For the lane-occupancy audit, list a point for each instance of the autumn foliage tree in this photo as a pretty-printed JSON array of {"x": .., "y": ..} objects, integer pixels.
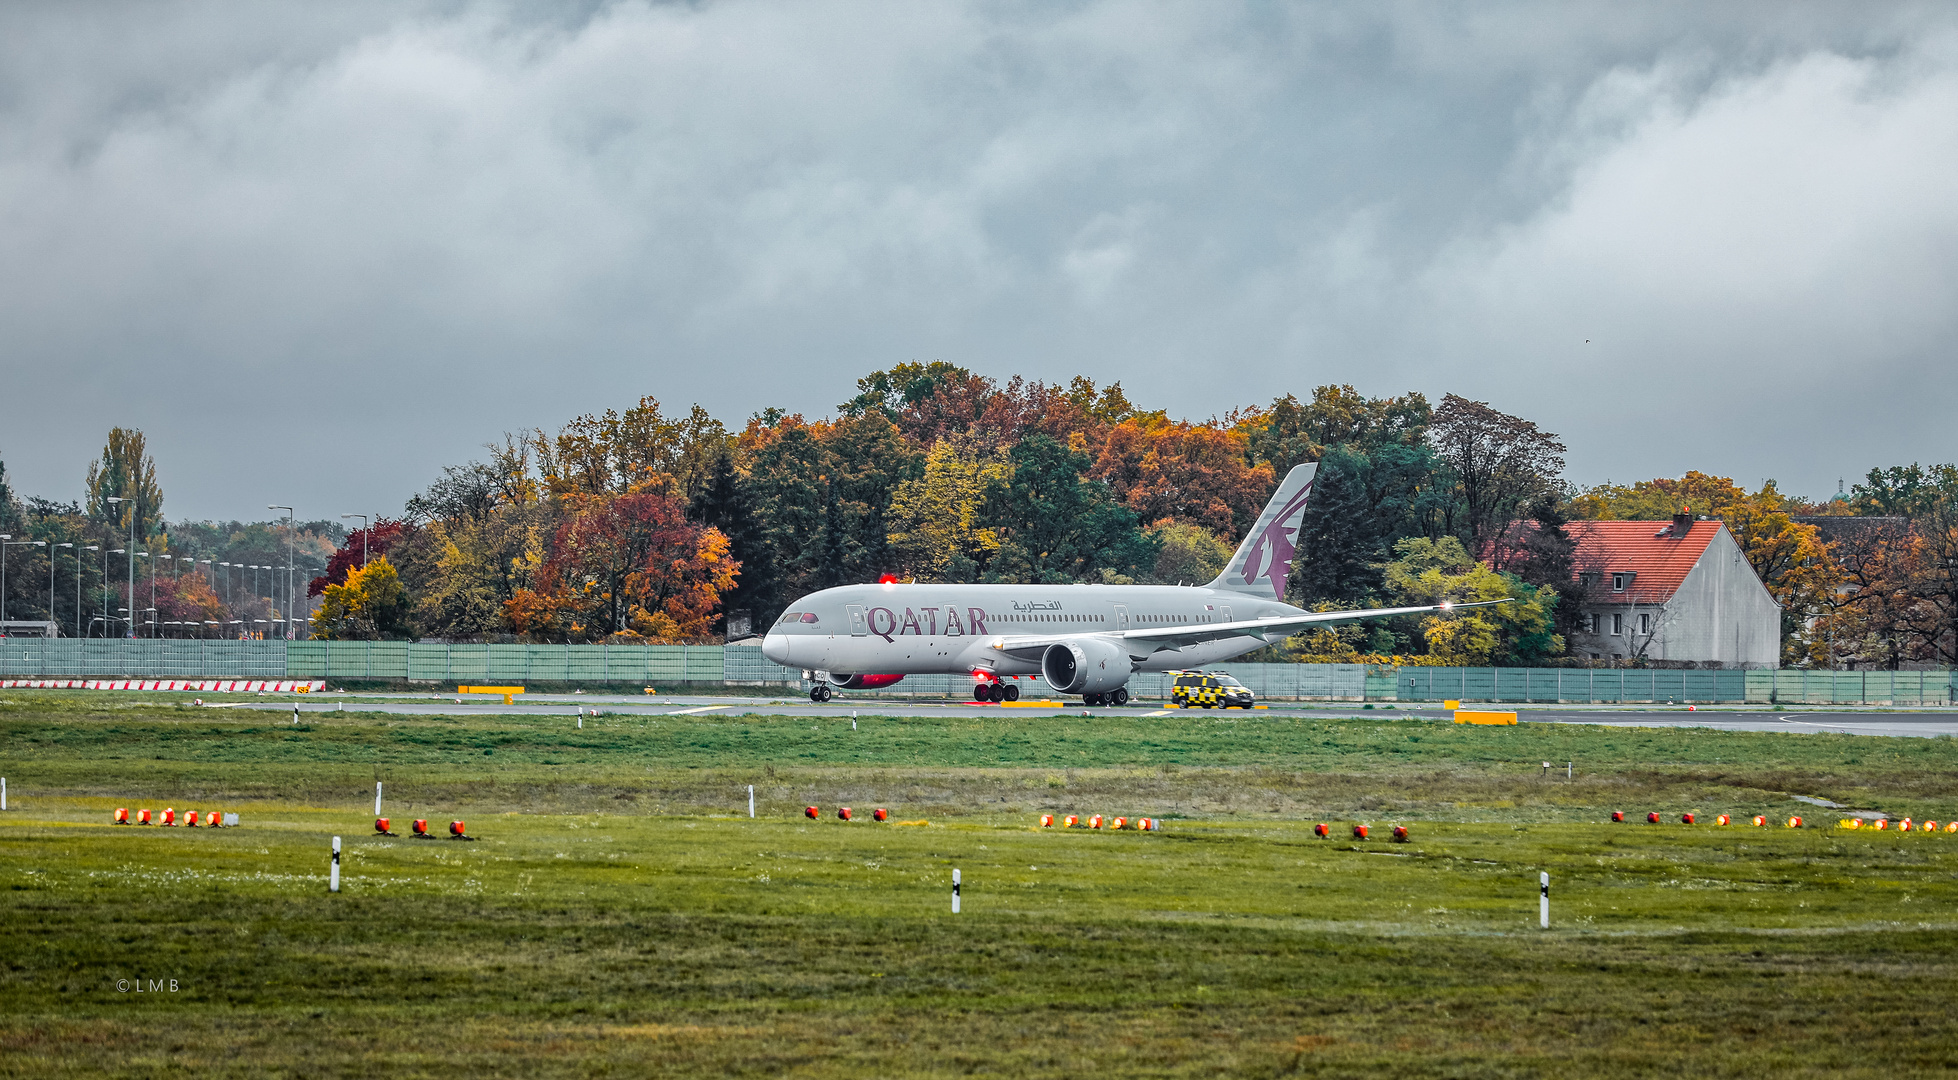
[{"x": 627, "y": 567}]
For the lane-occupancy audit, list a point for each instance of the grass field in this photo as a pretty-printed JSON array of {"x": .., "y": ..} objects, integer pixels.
[{"x": 620, "y": 915}]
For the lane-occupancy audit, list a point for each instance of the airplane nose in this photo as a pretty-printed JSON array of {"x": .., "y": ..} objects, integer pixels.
[{"x": 776, "y": 648}]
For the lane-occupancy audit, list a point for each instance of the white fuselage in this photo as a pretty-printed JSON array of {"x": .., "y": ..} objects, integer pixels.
[{"x": 914, "y": 629}]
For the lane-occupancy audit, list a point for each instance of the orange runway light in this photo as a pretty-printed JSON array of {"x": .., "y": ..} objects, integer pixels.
[
  {"x": 1359, "y": 832},
  {"x": 1617, "y": 815},
  {"x": 1094, "y": 822},
  {"x": 142, "y": 817},
  {"x": 1759, "y": 820},
  {"x": 213, "y": 819},
  {"x": 1120, "y": 823},
  {"x": 882, "y": 814},
  {"x": 1046, "y": 821},
  {"x": 811, "y": 813},
  {"x": 455, "y": 828},
  {"x": 1400, "y": 834},
  {"x": 122, "y": 816},
  {"x": 1794, "y": 823},
  {"x": 843, "y": 813},
  {"x": 1322, "y": 830},
  {"x": 1685, "y": 819},
  {"x": 1071, "y": 822},
  {"x": 1652, "y": 818},
  {"x": 1722, "y": 820}
]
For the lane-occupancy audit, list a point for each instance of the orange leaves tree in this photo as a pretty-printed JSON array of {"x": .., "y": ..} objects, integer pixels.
[
  {"x": 626, "y": 567},
  {"x": 1198, "y": 473}
]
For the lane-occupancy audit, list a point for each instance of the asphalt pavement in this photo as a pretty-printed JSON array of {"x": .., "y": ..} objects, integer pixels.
[{"x": 1927, "y": 722}]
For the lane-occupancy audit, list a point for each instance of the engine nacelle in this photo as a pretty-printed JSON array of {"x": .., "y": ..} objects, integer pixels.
[
  {"x": 866, "y": 682},
  {"x": 1087, "y": 666}
]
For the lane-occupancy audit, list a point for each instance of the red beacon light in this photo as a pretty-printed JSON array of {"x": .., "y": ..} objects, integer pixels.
[{"x": 887, "y": 579}]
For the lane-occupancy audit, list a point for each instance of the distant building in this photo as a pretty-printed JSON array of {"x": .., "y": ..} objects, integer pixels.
[{"x": 1678, "y": 590}]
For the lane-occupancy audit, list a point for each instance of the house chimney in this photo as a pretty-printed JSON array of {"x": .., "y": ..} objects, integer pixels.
[{"x": 1682, "y": 522}]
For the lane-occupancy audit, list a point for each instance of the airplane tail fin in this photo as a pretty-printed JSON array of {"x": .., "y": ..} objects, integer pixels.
[{"x": 1264, "y": 561}]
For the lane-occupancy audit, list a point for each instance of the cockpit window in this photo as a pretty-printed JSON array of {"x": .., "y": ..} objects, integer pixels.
[{"x": 809, "y": 616}]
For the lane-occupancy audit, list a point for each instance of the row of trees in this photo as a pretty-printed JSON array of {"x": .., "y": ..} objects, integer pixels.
[
  {"x": 72, "y": 562},
  {"x": 639, "y": 526},
  {"x": 643, "y": 526}
]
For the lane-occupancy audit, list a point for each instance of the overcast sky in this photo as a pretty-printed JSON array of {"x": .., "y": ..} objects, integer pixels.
[{"x": 316, "y": 251}]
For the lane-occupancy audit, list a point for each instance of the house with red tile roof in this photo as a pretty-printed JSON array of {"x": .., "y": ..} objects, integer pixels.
[{"x": 1677, "y": 590}]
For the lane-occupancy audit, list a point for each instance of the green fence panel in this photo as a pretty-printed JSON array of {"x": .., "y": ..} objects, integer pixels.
[
  {"x": 428, "y": 662},
  {"x": 388, "y": 659},
  {"x": 306, "y": 659}
]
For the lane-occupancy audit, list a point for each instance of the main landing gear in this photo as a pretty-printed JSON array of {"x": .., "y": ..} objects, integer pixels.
[
  {"x": 1117, "y": 697},
  {"x": 995, "y": 692}
]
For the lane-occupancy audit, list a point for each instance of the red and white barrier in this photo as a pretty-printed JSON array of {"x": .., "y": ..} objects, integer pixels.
[{"x": 209, "y": 686}]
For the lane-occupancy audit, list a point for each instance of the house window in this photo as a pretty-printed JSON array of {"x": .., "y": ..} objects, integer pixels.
[
  {"x": 1645, "y": 624},
  {"x": 1618, "y": 624},
  {"x": 1619, "y": 581}
]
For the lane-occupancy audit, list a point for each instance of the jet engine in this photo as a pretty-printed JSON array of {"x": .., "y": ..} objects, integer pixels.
[
  {"x": 865, "y": 682},
  {"x": 1087, "y": 666}
]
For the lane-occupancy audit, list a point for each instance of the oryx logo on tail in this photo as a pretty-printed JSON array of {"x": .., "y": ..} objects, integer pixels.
[{"x": 1264, "y": 561}]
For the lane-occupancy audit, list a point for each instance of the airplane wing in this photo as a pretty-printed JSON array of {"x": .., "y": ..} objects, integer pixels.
[
  {"x": 1175, "y": 637},
  {"x": 1155, "y": 639}
]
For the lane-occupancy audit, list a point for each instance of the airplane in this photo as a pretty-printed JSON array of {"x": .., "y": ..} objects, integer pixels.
[{"x": 1084, "y": 640}]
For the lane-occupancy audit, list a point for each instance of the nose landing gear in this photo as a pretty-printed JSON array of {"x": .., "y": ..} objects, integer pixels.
[{"x": 819, "y": 693}]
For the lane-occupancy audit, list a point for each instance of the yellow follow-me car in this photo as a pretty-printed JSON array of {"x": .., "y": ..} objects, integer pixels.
[{"x": 1209, "y": 690}]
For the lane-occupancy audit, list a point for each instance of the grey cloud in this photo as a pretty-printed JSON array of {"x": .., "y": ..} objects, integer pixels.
[{"x": 318, "y": 251}]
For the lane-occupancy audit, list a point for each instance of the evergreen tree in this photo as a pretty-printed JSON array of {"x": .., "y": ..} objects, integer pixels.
[
  {"x": 1056, "y": 527},
  {"x": 726, "y": 503}
]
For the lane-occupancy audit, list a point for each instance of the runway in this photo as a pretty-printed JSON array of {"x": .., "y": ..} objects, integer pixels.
[{"x": 1928, "y": 722}]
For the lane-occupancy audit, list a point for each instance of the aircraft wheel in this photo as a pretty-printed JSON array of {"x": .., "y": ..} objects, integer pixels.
[
  {"x": 982, "y": 692},
  {"x": 1091, "y": 700},
  {"x": 821, "y": 693},
  {"x": 1012, "y": 693},
  {"x": 1121, "y": 697}
]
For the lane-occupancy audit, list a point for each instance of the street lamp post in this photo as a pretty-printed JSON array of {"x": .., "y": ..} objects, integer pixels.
[
  {"x": 133, "y": 556},
  {"x": 130, "y": 551},
  {"x": 78, "y": 585},
  {"x": 289, "y": 558},
  {"x": 366, "y": 530}
]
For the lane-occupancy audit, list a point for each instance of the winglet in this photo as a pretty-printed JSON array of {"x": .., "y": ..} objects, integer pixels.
[{"x": 1264, "y": 561}]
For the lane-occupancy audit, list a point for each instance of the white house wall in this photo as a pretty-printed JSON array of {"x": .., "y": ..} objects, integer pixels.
[{"x": 1721, "y": 612}]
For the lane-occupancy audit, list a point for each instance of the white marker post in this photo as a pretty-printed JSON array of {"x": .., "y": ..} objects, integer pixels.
[
  {"x": 955, "y": 892},
  {"x": 1543, "y": 900},
  {"x": 333, "y": 882},
  {"x": 3, "y": 793},
  {"x": 377, "y": 798},
  {"x": 751, "y": 800},
  {"x": 581, "y": 717},
  {"x": 1569, "y": 769},
  {"x": 295, "y": 714}
]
